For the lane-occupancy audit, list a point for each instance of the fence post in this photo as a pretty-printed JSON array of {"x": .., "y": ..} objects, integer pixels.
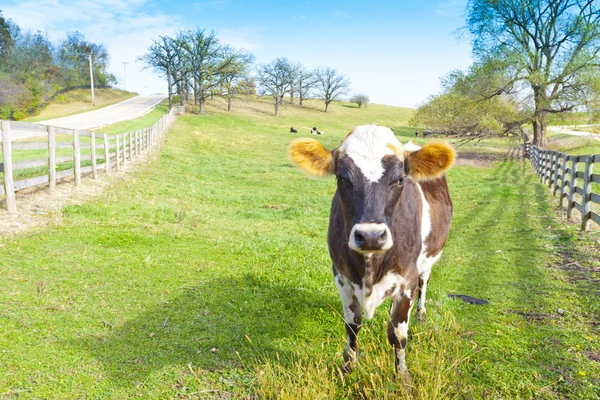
[
  {"x": 51, "y": 159},
  {"x": 541, "y": 172},
  {"x": 130, "y": 146},
  {"x": 9, "y": 187},
  {"x": 587, "y": 195},
  {"x": 77, "y": 158},
  {"x": 117, "y": 151},
  {"x": 557, "y": 167},
  {"x": 571, "y": 199},
  {"x": 563, "y": 182},
  {"x": 93, "y": 148},
  {"x": 107, "y": 165}
]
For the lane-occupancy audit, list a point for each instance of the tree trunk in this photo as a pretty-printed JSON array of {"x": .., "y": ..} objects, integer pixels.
[
  {"x": 276, "y": 106},
  {"x": 300, "y": 102},
  {"x": 201, "y": 101},
  {"x": 291, "y": 95},
  {"x": 229, "y": 103},
  {"x": 326, "y": 106},
  {"x": 539, "y": 118},
  {"x": 170, "y": 85}
]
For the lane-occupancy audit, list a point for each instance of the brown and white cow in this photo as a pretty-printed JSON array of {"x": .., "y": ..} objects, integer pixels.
[{"x": 389, "y": 221}]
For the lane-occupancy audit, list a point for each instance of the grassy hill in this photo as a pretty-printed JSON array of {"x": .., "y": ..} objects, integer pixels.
[
  {"x": 205, "y": 274},
  {"x": 78, "y": 101}
]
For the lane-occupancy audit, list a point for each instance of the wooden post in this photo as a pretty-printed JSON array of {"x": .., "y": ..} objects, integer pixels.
[
  {"x": 93, "y": 148},
  {"x": 77, "y": 158},
  {"x": 117, "y": 152},
  {"x": 571, "y": 198},
  {"x": 541, "y": 172},
  {"x": 563, "y": 183},
  {"x": 557, "y": 167},
  {"x": 587, "y": 194},
  {"x": 138, "y": 143},
  {"x": 107, "y": 165},
  {"x": 130, "y": 146},
  {"x": 51, "y": 159},
  {"x": 9, "y": 188}
]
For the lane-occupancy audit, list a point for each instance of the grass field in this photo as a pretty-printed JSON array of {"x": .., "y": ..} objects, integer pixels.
[
  {"x": 205, "y": 274},
  {"x": 78, "y": 101}
]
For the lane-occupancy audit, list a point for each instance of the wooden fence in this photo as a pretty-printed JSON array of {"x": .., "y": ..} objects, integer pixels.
[
  {"x": 563, "y": 174},
  {"x": 66, "y": 153}
]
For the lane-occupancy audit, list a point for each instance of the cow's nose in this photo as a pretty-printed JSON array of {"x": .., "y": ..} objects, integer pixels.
[{"x": 371, "y": 239}]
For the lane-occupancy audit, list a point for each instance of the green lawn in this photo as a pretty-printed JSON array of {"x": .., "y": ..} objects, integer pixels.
[{"x": 205, "y": 274}]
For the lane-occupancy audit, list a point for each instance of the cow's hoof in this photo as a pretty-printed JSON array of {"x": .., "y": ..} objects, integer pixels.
[
  {"x": 421, "y": 315},
  {"x": 404, "y": 379},
  {"x": 349, "y": 362}
]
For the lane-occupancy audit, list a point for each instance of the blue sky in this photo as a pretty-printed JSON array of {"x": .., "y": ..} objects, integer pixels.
[{"x": 393, "y": 51}]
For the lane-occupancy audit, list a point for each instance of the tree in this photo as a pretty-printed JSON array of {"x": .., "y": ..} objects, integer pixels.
[
  {"x": 465, "y": 109},
  {"x": 306, "y": 82},
  {"x": 6, "y": 40},
  {"x": 360, "y": 99},
  {"x": 233, "y": 74},
  {"x": 73, "y": 61},
  {"x": 206, "y": 59},
  {"x": 274, "y": 79},
  {"x": 330, "y": 85},
  {"x": 550, "y": 46},
  {"x": 164, "y": 56}
]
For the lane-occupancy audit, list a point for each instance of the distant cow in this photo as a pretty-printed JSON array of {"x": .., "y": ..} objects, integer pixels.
[
  {"x": 315, "y": 131},
  {"x": 389, "y": 221},
  {"x": 417, "y": 133},
  {"x": 292, "y": 130}
]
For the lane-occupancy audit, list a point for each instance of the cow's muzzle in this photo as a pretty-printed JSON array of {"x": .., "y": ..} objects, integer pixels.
[{"x": 368, "y": 238}]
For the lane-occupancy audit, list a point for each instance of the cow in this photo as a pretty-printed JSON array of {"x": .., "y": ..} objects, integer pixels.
[
  {"x": 390, "y": 217},
  {"x": 292, "y": 130},
  {"x": 315, "y": 131}
]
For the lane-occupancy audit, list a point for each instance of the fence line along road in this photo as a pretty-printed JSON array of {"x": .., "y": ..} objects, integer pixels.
[
  {"x": 66, "y": 150},
  {"x": 554, "y": 167}
]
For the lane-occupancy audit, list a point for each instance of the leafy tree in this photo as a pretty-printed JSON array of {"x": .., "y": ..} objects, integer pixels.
[
  {"x": 6, "y": 40},
  {"x": 360, "y": 99},
  {"x": 330, "y": 85},
  {"x": 550, "y": 46},
  {"x": 274, "y": 79},
  {"x": 73, "y": 61}
]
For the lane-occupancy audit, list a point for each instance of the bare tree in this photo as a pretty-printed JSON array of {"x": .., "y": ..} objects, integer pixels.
[
  {"x": 360, "y": 99},
  {"x": 330, "y": 85},
  {"x": 274, "y": 79},
  {"x": 551, "y": 46},
  {"x": 231, "y": 75},
  {"x": 306, "y": 82}
]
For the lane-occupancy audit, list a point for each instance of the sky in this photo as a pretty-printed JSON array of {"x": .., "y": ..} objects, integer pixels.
[{"x": 395, "y": 51}]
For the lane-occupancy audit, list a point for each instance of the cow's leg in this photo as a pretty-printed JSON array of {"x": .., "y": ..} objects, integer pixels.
[
  {"x": 425, "y": 266},
  {"x": 398, "y": 327},
  {"x": 352, "y": 319}
]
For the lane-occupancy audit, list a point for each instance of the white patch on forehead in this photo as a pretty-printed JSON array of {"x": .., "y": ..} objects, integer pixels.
[{"x": 366, "y": 146}]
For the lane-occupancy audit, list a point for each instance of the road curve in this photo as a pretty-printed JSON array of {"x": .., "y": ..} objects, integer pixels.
[{"x": 122, "y": 111}]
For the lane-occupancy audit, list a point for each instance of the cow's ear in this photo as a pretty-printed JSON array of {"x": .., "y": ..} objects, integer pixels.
[
  {"x": 429, "y": 162},
  {"x": 311, "y": 157}
]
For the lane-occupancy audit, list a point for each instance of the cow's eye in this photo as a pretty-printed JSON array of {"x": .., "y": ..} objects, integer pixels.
[
  {"x": 398, "y": 181},
  {"x": 343, "y": 181}
]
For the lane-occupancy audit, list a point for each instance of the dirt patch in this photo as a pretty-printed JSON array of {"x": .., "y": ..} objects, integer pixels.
[
  {"x": 592, "y": 355},
  {"x": 37, "y": 208},
  {"x": 475, "y": 159},
  {"x": 533, "y": 316}
]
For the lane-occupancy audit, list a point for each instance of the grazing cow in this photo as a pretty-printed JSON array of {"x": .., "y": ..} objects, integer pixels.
[
  {"x": 417, "y": 133},
  {"x": 389, "y": 221},
  {"x": 292, "y": 130},
  {"x": 315, "y": 131}
]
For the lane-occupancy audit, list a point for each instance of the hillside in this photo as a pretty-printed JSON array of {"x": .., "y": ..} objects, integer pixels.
[{"x": 205, "y": 274}]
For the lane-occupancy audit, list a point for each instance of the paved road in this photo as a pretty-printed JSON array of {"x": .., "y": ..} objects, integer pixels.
[
  {"x": 569, "y": 131},
  {"x": 122, "y": 111}
]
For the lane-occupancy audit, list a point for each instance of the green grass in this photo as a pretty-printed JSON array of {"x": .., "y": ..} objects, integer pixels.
[{"x": 205, "y": 274}]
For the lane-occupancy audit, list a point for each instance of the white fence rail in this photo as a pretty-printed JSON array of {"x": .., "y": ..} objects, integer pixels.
[{"x": 41, "y": 154}]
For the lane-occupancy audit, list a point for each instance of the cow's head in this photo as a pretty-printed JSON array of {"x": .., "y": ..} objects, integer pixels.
[{"x": 371, "y": 166}]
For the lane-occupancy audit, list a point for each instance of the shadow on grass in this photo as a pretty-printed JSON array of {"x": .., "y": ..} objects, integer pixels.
[{"x": 208, "y": 325}]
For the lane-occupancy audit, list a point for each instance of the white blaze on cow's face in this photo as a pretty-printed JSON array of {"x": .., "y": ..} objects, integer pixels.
[{"x": 364, "y": 182}]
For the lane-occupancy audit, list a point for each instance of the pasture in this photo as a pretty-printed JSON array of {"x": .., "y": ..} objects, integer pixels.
[{"x": 205, "y": 274}]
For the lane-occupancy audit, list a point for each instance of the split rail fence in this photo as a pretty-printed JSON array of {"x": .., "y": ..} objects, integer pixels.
[
  {"x": 49, "y": 154},
  {"x": 572, "y": 177}
]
